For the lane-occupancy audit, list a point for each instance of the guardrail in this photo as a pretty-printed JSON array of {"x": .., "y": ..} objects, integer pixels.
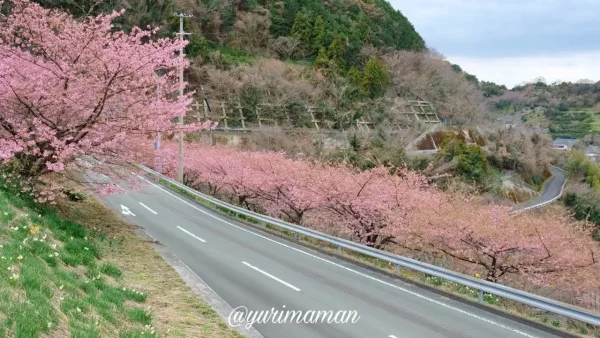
[
  {"x": 482, "y": 286},
  {"x": 514, "y": 212}
]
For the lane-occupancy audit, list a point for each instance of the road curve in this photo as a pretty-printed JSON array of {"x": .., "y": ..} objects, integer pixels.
[
  {"x": 552, "y": 189},
  {"x": 249, "y": 268}
]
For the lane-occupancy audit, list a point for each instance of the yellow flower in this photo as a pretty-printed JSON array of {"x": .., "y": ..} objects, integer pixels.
[
  {"x": 477, "y": 275},
  {"x": 35, "y": 229}
]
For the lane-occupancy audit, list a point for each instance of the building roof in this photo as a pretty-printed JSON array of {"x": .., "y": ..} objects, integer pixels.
[{"x": 566, "y": 141}]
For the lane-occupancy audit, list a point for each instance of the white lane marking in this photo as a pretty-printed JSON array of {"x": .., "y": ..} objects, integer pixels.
[
  {"x": 348, "y": 269},
  {"x": 392, "y": 336},
  {"x": 145, "y": 206},
  {"x": 125, "y": 210},
  {"x": 273, "y": 277},
  {"x": 191, "y": 234}
]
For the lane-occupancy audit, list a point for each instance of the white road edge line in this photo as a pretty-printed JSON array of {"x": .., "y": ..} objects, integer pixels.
[
  {"x": 191, "y": 234},
  {"x": 273, "y": 277},
  {"x": 145, "y": 206},
  {"x": 392, "y": 336},
  {"x": 346, "y": 268}
]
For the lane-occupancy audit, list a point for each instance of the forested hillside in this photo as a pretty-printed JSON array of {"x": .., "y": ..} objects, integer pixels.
[
  {"x": 315, "y": 24},
  {"x": 350, "y": 58}
]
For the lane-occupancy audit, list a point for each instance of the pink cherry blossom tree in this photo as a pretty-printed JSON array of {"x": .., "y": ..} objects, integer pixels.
[
  {"x": 257, "y": 180},
  {"x": 70, "y": 88},
  {"x": 543, "y": 248},
  {"x": 287, "y": 188},
  {"x": 373, "y": 206},
  {"x": 384, "y": 209}
]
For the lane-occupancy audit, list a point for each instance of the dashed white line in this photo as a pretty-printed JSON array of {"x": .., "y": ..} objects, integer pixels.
[
  {"x": 392, "y": 336},
  {"x": 273, "y": 277},
  {"x": 145, "y": 206},
  {"x": 346, "y": 268},
  {"x": 191, "y": 234}
]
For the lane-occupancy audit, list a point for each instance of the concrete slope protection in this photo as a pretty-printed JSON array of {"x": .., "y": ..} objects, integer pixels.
[
  {"x": 552, "y": 189},
  {"x": 261, "y": 272}
]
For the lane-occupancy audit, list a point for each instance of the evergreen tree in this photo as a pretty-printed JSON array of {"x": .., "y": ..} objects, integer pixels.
[
  {"x": 354, "y": 76},
  {"x": 302, "y": 29},
  {"x": 319, "y": 36},
  {"x": 282, "y": 21},
  {"x": 375, "y": 78},
  {"x": 361, "y": 30},
  {"x": 337, "y": 53},
  {"x": 322, "y": 60}
]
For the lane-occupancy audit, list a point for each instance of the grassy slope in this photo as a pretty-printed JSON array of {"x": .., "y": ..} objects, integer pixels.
[{"x": 62, "y": 278}]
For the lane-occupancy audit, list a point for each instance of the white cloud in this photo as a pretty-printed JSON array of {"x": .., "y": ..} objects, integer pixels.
[
  {"x": 512, "y": 71},
  {"x": 504, "y": 28},
  {"x": 512, "y": 41}
]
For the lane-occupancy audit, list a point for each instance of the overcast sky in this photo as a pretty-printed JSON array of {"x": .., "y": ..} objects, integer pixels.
[{"x": 512, "y": 41}]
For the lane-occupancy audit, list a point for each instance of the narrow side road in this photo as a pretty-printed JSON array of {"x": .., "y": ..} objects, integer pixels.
[{"x": 552, "y": 189}]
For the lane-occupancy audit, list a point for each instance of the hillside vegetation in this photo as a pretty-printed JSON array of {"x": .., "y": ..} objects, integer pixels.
[
  {"x": 566, "y": 109},
  {"x": 349, "y": 58}
]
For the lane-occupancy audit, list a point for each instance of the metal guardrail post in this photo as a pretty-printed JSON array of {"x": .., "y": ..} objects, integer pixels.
[
  {"x": 339, "y": 250},
  {"x": 397, "y": 269},
  {"x": 295, "y": 236},
  {"x": 480, "y": 296}
]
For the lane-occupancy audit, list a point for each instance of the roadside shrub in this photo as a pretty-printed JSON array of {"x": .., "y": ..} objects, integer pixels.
[
  {"x": 584, "y": 210},
  {"x": 472, "y": 164}
]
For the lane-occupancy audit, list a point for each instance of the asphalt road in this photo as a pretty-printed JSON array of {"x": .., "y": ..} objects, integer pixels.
[
  {"x": 249, "y": 268},
  {"x": 552, "y": 188}
]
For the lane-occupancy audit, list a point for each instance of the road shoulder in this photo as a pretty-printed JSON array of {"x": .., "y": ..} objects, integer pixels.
[{"x": 181, "y": 303}]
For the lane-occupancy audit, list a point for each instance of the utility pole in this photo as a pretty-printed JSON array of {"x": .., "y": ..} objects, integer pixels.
[
  {"x": 157, "y": 142},
  {"x": 181, "y": 34}
]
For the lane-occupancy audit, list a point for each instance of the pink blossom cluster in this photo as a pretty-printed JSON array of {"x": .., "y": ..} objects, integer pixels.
[
  {"x": 372, "y": 206},
  {"x": 70, "y": 88}
]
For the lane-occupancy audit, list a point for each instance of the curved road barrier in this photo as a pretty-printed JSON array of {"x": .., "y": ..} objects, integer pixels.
[
  {"x": 553, "y": 190},
  {"x": 482, "y": 286}
]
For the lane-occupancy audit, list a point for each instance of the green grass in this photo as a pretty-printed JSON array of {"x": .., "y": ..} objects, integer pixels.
[
  {"x": 233, "y": 56},
  {"x": 111, "y": 270},
  {"x": 51, "y": 268},
  {"x": 140, "y": 316}
]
